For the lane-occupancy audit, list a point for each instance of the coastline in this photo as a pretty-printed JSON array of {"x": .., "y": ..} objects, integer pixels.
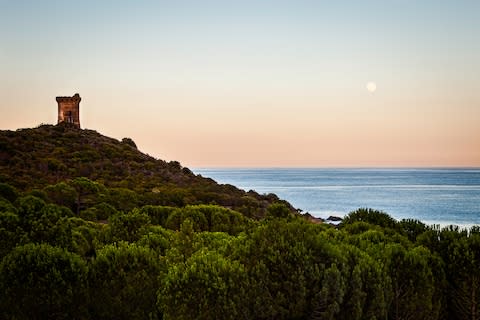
[{"x": 435, "y": 196}]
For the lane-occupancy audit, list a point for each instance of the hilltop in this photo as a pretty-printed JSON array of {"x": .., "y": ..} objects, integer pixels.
[{"x": 32, "y": 160}]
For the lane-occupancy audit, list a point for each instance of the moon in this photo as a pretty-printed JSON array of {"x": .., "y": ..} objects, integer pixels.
[{"x": 371, "y": 86}]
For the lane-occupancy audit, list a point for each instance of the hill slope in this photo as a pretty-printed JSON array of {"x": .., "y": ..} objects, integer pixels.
[{"x": 47, "y": 155}]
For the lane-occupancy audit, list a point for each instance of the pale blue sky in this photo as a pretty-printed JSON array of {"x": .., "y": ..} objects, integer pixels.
[{"x": 208, "y": 83}]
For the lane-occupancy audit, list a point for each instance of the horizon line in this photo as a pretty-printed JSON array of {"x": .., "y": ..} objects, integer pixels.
[{"x": 338, "y": 167}]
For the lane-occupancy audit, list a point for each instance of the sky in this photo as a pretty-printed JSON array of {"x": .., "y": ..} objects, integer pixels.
[{"x": 254, "y": 83}]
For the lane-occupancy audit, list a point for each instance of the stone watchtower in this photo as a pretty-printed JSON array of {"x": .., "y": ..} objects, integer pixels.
[{"x": 69, "y": 110}]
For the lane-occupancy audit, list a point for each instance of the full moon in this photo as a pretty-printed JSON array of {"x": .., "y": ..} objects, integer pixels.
[{"x": 371, "y": 86}]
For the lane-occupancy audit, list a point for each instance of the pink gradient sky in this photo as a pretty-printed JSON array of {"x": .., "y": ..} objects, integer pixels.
[{"x": 277, "y": 84}]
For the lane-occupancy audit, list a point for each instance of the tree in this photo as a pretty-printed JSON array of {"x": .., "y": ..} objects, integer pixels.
[
  {"x": 328, "y": 301},
  {"x": 463, "y": 262},
  {"x": 38, "y": 281},
  {"x": 29, "y": 209},
  {"x": 206, "y": 286},
  {"x": 10, "y": 232},
  {"x": 128, "y": 227},
  {"x": 285, "y": 266},
  {"x": 130, "y": 142},
  {"x": 413, "y": 285},
  {"x": 122, "y": 199},
  {"x": 197, "y": 217},
  {"x": 278, "y": 210},
  {"x": 208, "y": 218},
  {"x": 365, "y": 287},
  {"x": 158, "y": 214},
  {"x": 52, "y": 227},
  {"x": 84, "y": 187},
  {"x": 413, "y": 228},
  {"x": 157, "y": 238},
  {"x": 183, "y": 243},
  {"x": 62, "y": 194},
  {"x": 124, "y": 279},
  {"x": 8, "y": 192},
  {"x": 101, "y": 211},
  {"x": 371, "y": 216}
]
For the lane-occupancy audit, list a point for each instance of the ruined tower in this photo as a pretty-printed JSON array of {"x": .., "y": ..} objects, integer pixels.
[{"x": 69, "y": 110}]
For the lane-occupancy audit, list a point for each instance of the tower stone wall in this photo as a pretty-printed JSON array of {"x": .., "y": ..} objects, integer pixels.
[{"x": 69, "y": 109}]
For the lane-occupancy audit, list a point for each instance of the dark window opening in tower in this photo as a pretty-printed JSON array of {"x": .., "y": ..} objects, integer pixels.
[{"x": 69, "y": 117}]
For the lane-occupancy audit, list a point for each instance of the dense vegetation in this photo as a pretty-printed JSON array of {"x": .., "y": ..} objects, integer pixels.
[
  {"x": 49, "y": 156},
  {"x": 99, "y": 246}
]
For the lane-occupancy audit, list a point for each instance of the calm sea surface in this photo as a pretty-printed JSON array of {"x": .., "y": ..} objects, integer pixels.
[{"x": 434, "y": 196}]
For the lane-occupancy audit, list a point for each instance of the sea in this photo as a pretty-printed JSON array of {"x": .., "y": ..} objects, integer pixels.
[{"x": 435, "y": 196}]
